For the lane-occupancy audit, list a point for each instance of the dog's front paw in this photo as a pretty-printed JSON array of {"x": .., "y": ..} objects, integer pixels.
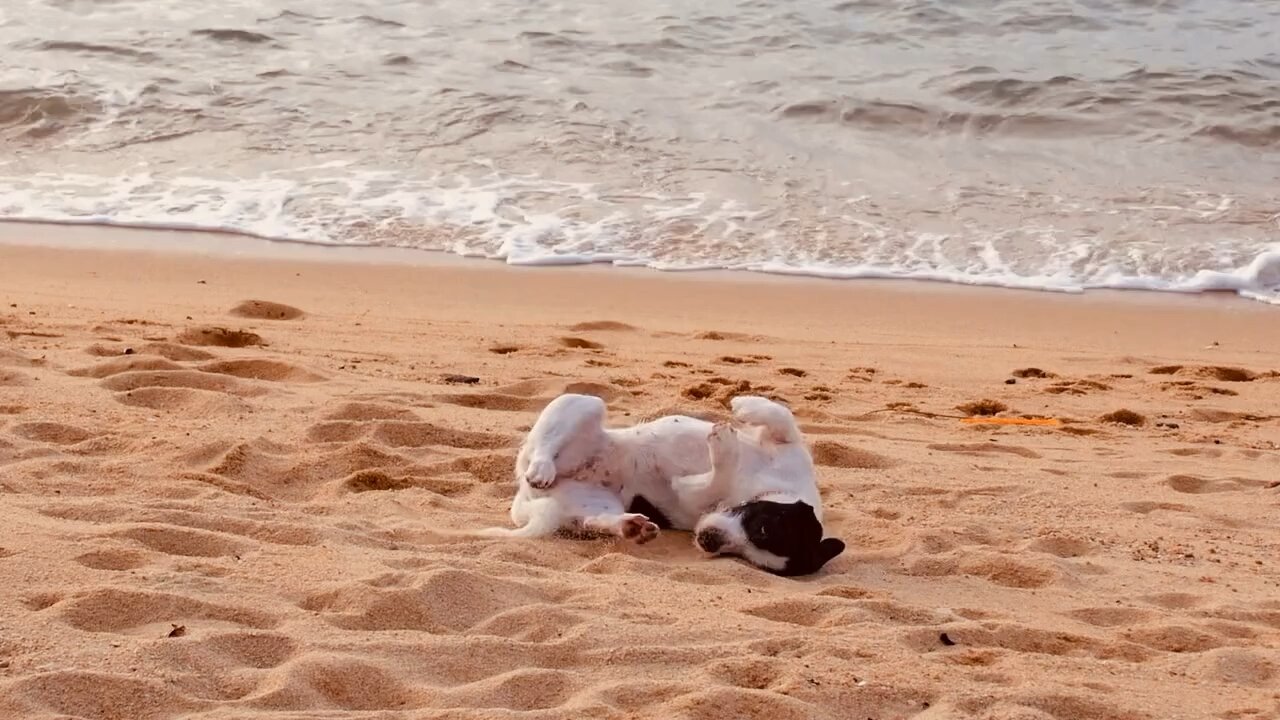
[
  {"x": 540, "y": 474},
  {"x": 639, "y": 529},
  {"x": 723, "y": 443}
]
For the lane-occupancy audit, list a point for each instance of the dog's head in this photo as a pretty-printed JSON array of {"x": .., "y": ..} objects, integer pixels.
[{"x": 784, "y": 538}]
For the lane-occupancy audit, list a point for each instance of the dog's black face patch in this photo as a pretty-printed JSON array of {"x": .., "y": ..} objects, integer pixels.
[
  {"x": 640, "y": 504},
  {"x": 790, "y": 531}
]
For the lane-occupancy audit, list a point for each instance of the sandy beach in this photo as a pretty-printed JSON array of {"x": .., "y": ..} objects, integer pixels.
[{"x": 235, "y": 484}]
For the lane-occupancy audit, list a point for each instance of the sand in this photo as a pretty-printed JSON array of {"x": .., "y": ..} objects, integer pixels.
[{"x": 236, "y": 487}]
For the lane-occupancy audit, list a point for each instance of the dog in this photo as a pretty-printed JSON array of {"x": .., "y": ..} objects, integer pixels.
[{"x": 748, "y": 491}]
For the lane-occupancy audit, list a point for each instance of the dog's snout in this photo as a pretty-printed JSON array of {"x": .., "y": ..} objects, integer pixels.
[{"x": 710, "y": 540}]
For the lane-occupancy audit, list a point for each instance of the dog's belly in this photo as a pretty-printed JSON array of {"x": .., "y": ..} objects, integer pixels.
[{"x": 640, "y": 462}]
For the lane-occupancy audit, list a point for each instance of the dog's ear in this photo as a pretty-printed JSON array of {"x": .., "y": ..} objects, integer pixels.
[
  {"x": 828, "y": 549},
  {"x": 810, "y": 563}
]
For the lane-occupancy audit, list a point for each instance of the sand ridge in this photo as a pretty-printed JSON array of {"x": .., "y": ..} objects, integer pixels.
[{"x": 202, "y": 527}]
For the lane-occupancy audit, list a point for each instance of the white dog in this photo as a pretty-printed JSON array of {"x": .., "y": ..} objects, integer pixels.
[{"x": 749, "y": 491}]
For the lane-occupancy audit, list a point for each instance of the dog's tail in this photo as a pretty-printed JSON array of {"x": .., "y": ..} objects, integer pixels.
[
  {"x": 540, "y": 525},
  {"x": 775, "y": 418}
]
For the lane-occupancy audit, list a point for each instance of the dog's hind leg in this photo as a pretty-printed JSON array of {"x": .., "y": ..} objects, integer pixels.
[
  {"x": 534, "y": 516},
  {"x": 597, "y": 510},
  {"x": 629, "y": 526},
  {"x": 568, "y": 433},
  {"x": 776, "y": 421}
]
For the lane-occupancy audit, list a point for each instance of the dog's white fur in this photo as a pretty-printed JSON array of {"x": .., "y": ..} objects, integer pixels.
[{"x": 575, "y": 474}]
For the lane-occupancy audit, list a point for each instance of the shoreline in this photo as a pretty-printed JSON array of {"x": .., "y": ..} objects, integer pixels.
[
  {"x": 883, "y": 309},
  {"x": 234, "y": 243}
]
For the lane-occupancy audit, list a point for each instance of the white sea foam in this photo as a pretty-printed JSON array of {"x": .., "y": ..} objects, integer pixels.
[{"x": 525, "y": 220}]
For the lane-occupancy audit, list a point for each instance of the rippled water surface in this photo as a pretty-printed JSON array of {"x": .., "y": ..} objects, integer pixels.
[{"x": 1033, "y": 143}]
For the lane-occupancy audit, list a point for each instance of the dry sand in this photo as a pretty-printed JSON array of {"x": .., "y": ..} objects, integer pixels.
[{"x": 221, "y": 513}]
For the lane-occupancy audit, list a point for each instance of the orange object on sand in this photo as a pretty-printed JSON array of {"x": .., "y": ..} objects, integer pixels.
[{"x": 1010, "y": 421}]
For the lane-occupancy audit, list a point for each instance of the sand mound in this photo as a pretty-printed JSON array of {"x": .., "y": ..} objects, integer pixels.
[{"x": 266, "y": 310}]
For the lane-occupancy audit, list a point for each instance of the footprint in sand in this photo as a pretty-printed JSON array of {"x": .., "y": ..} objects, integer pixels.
[
  {"x": 549, "y": 389},
  {"x": 984, "y": 449},
  {"x": 167, "y": 350},
  {"x": 190, "y": 379},
  {"x": 78, "y": 693},
  {"x": 717, "y": 335},
  {"x": 262, "y": 369},
  {"x": 1207, "y": 452},
  {"x": 266, "y": 310},
  {"x": 1063, "y": 546},
  {"x": 982, "y": 408},
  {"x": 828, "y": 453},
  {"x": 754, "y": 673},
  {"x": 1196, "y": 485},
  {"x": 115, "y": 610},
  {"x": 1217, "y": 372},
  {"x": 1191, "y": 390},
  {"x": 213, "y": 336},
  {"x": 333, "y": 680},
  {"x": 494, "y": 401},
  {"x": 402, "y": 434},
  {"x": 1233, "y": 666},
  {"x": 813, "y": 611},
  {"x": 124, "y": 364},
  {"x": 579, "y": 343},
  {"x": 184, "y": 542},
  {"x": 999, "y": 569},
  {"x": 185, "y": 400},
  {"x": 113, "y": 559},
  {"x": 13, "y": 378},
  {"x": 1076, "y": 387},
  {"x": 1146, "y": 507},
  {"x": 1174, "y": 638},
  {"x": 1111, "y": 616},
  {"x": 603, "y": 326},
  {"x": 365, "y": 411},
  {"x": 381, "y": 481},
  {"x": 431, "y": 605},
  {"x": 263, "y": 469},
  {"x": 1033, "y": 373},
  {"x": 52, "y": 433}
]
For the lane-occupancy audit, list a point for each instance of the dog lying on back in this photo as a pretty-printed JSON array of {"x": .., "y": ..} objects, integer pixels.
[{"x": 748, "y": 491}]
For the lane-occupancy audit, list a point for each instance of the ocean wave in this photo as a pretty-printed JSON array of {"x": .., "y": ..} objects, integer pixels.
[
  {"x": 475, "y": 218},
  {"x": 41, "y": 112}
]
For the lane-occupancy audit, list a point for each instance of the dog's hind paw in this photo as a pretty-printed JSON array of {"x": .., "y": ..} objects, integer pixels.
[
  {"x": 540, "y": 474},
  {"x": 639, "y": 529}
]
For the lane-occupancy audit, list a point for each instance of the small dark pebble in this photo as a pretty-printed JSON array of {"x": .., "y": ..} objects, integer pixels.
[
  {"x": 178, "y": 631},
  {"x": 1010, "y": 381},
  {"x": 1217, "y": 442},
  {"x": 946, "y": 639},
  {"x": 461, "y": 379},
  {"x": 201, "y": 282},
  {"x": 128, "y": 351},
  {"x": 4, "y": 664}
]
